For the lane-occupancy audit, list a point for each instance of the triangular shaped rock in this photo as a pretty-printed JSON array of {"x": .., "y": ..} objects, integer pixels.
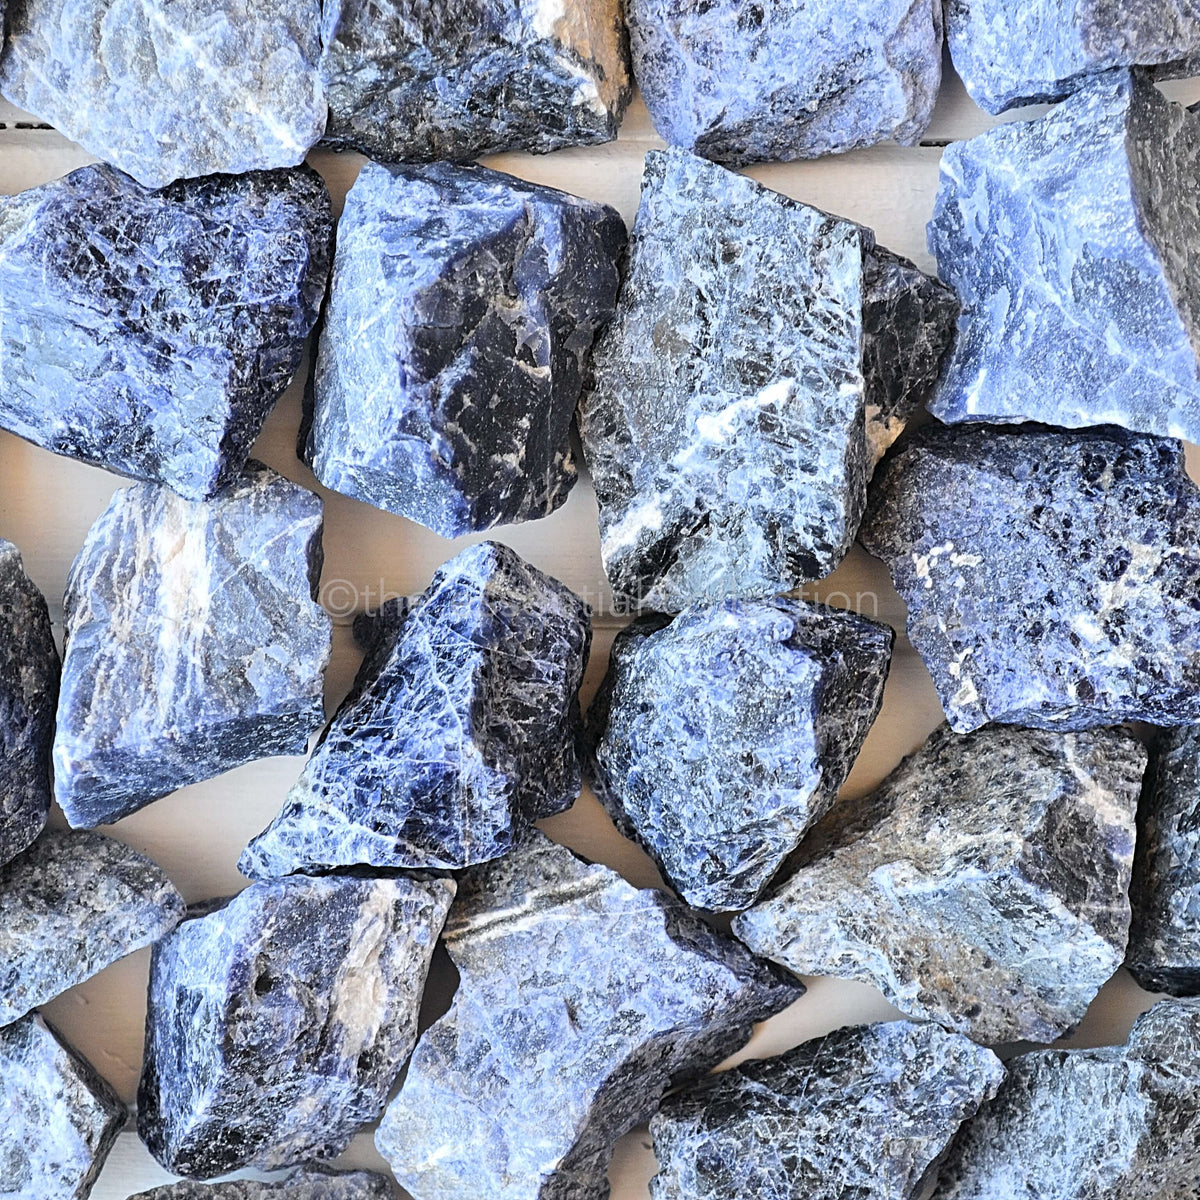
[{"x": 311, "y": 1183}]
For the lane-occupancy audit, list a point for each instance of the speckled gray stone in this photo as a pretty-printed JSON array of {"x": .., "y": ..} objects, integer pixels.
[
  {"x": 311, "y": 1183},
  {"x": 581, "y": 1001},
  {"x": 278, "y": 1022},
  {"x": 984, "y": 885},
  {"x": 720, "y": 738}
]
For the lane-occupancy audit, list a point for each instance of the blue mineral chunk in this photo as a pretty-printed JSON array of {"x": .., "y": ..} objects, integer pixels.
[{"x": 309, "y": 1183}]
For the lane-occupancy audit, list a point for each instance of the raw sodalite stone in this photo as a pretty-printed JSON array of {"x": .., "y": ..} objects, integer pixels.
[
  {"x": 984, "y": 885},
  {"x": 863, "y": 1112},
  {"x": 194, "y": 642},
  {"x": 581, "y": 1001},
  {"x": 1073, "y": 242},
  {"x": 312, "y": 1183},
  {"x": 460, "y": 729},
  {"x": 720, "y": 737},
  {"x": 71, "y": 905},
  {"x": 1051, "y": 578},
  {"x": 278, "y": 1022},
  {"x": 741, "y": 83},
  {"x": 171, "y": 91},
  {"x": 458, "y": 330},
  {"x": 152, "y": 332}
]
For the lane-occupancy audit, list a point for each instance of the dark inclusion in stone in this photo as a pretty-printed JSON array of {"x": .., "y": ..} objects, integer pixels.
[
  {"x": 763, "y": 355},
  {"x": 1051, "y": 578},
  {"x": 459, "y": 731},
  {"x": 194, "y": 642},
  {"x": 151, "y": 332},
  {"x": 720, "y": 737},
  {"x": 866, "y": 1111},
  {"x": 581, "y": 1001},
  {"x": 454, "y": 345},
  {"x": 311, "y": 1183},
  {"x": 278, "y": 1022}
]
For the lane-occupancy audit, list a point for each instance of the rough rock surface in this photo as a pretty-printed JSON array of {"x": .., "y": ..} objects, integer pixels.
[
  {"x": 171, "y": 91},
  {"x": 1073, "y": 242},
  {"x": 984, "y": 885},
  {"x": 60, "y": 1118},
  {"x": 742, "y": 83},
  {"x": 719, "y": 738},
  {"x": 311, "y": 1183},
  {"x": 1050, "y": 577},
  {"x": 278, "y": 1022},
  {"x": 152, "y": 332},
  {"x": 454, "y": 344},
  {"x": 863, "y": 1112},
  {"x": 71, "y": 905},
  {"x": 194, "y": 642},
  {"x": 581, "y": 1001},
  {"x": 459, "y": 731}
]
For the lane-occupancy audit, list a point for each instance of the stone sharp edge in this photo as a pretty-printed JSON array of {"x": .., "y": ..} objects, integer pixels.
[
  {"x": 171, "y": 92},
  {"x": 1074, "y": 244},
  {"x": 455, "y": 342},
  {"x": 726, "y": 425},
  {"x": 71, "y": 905},
  {"x": 718, "y": 739},
  {"x": 1082, "y": 1124},
  {"x": 194, "y": 642},
  {"x": 151, "y": 332},
  {"x": 984, "y": 885},
  {"x": 864, "y": 1111},
  {"x": 1050, "y": 576},
  {"x": 460, "y": 729},
  {"x": 581, "y": 1001},
  {"x": 60, "y": 1118},
  {"x": 278, "y": 1023},
  {"x": 311, "y": 1183},
  {"x": 458, "y": 81}
]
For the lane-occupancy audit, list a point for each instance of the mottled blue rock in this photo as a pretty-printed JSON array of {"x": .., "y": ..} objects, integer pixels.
[
  {"x": 310, "y": 1183},
  {"x": 279, "y": 1021},
  {"x": 171, "y": 91},
  {"x": 866, "y": 1111},
  {"x": 719, "y": 738},
  {"x": 581, "y": 1001},
  {"x": 194, "y": 642},
  {"x": 1051, "y": 578},
  {"x": 454, "y": 344},
  {"x": 742, "y": 82},
  {"x": 459, "y": 731},
  {"x": 152, "y": 332}
]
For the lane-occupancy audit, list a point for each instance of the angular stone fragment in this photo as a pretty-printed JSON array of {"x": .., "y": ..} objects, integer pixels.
[
  {"x": 278, "y": 1022},
  {"x": 727, "y": 427},
  {"x": 1050, "y": 577},
  {"x": 194, "y": 642},
  {"x": 984, "y": 885},
  {"x": 865, "y": 1111},
  {"x": 581, "y": 1001},
  {"x": 71, "y": 905},
  {"x": 171, "y": 91},
  {"x": 720, "y": 737},
  {"x": 742, "y": 83},
  {"x": 453, "y": 349},
  {"x": 311, "y": 1183},
  {"x": 152, "y": 332}
]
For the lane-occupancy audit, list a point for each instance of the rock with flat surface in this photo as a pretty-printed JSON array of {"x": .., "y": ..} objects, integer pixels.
[
  {"x": 194, "y": 642},
  {"x": 151, "y": 332},
  {"x": 581, "y": 1001},
  {"x": 278, "y": 1022},
  {"x": 310, "y": 1183},
  {"x": 1050, "y": 577},
  {"x": 718, "y": 739}
]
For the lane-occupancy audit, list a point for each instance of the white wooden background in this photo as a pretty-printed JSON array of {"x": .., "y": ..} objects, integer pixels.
[{"x": 48, "y": 503}]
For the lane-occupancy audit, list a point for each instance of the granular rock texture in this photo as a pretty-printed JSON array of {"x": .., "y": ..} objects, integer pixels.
[
  {"x": 984, "y": 885},
  {"x": 151, "y": 332},
  {"x": 581, "y": 1001},
  {"x": 278, "y": 1022},
  {"x": 194, "y": 642},
  {"x": 310, "y": 1183},
  {"x": 720, "y": 738},
  {"x": 1050, "y": 577},
  {"x": 454, "y": 345},
  {"x": 460, "y": 729}
]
